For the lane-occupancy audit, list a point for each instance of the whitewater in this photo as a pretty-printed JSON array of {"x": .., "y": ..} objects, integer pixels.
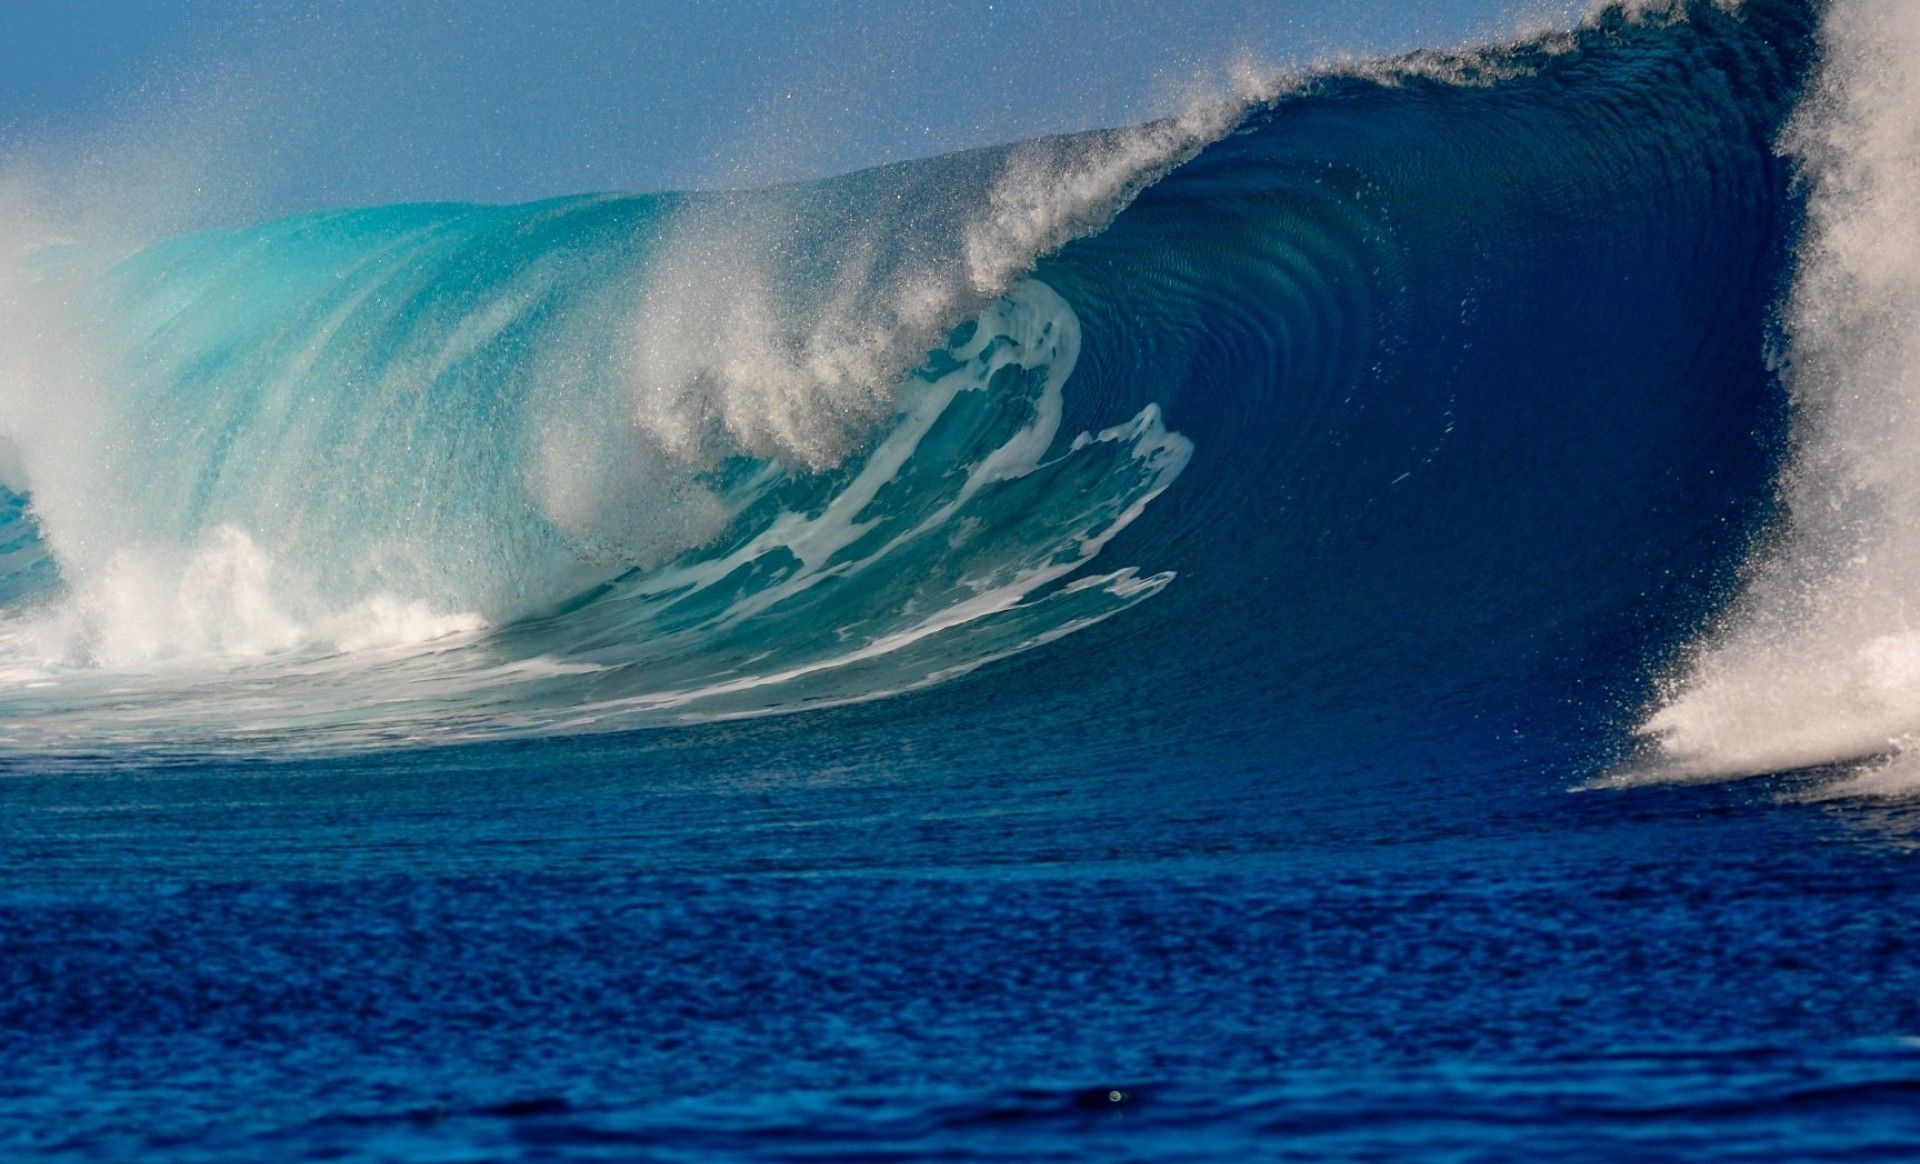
[{"x": 1815, "y": 663}]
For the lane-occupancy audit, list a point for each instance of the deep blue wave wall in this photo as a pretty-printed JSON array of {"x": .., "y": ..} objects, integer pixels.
[{"x": 1478, "y": 381}]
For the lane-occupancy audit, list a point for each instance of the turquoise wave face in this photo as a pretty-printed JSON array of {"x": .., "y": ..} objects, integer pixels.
[
  {"x": 1383, "y": 388},
  {"x": 962, "y": 533}
]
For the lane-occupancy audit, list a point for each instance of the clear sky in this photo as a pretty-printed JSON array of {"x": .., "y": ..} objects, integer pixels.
[{"x": 512, "y": 99}]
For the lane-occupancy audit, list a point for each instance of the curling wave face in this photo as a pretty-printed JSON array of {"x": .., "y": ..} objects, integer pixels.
[
  {"x": 946, "y": 543},
  {"x": 1393, "y": 393}
]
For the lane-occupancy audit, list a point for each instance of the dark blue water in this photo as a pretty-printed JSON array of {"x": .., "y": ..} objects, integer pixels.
[
  {"x": 1283, "y": 854},
  {"x": 747, "y": 947}
]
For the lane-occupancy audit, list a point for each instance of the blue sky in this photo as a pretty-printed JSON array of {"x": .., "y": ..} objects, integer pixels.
[{"x": 514, "y": 99}]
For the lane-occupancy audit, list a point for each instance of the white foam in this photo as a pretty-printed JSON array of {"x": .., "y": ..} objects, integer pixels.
[
  {"x": 1651, "y": 10},
  {"x": 384, "y": 622},
  {"x": 1819, "y": 662},
  {"x": 1056, "y": 189},
  {"x": 1030, "y": 327},
  {"x": 747, "y": 339},
  {"x": 220, "y": 600}
]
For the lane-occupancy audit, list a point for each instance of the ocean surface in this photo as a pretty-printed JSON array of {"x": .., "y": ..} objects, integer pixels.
[{"x": 1364, "y": 620}]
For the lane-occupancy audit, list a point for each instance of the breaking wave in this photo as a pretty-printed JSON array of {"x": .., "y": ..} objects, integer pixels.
[{"x": 1532, "y": 375}]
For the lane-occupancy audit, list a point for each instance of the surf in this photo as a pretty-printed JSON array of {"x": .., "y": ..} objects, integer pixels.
[{"x": 1367, "y": 387}]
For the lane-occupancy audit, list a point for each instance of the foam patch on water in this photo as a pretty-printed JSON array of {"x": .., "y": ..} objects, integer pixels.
[
  {"x": 221, "y": 599},
  {"x": 1819, "y": 661}
]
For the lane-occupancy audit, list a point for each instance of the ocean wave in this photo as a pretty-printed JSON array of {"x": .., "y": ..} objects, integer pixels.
[{"x": 1376, "y": 380}]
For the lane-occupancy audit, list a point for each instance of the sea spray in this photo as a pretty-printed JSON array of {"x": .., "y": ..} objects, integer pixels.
[{"x": 1819, "y": 660}]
